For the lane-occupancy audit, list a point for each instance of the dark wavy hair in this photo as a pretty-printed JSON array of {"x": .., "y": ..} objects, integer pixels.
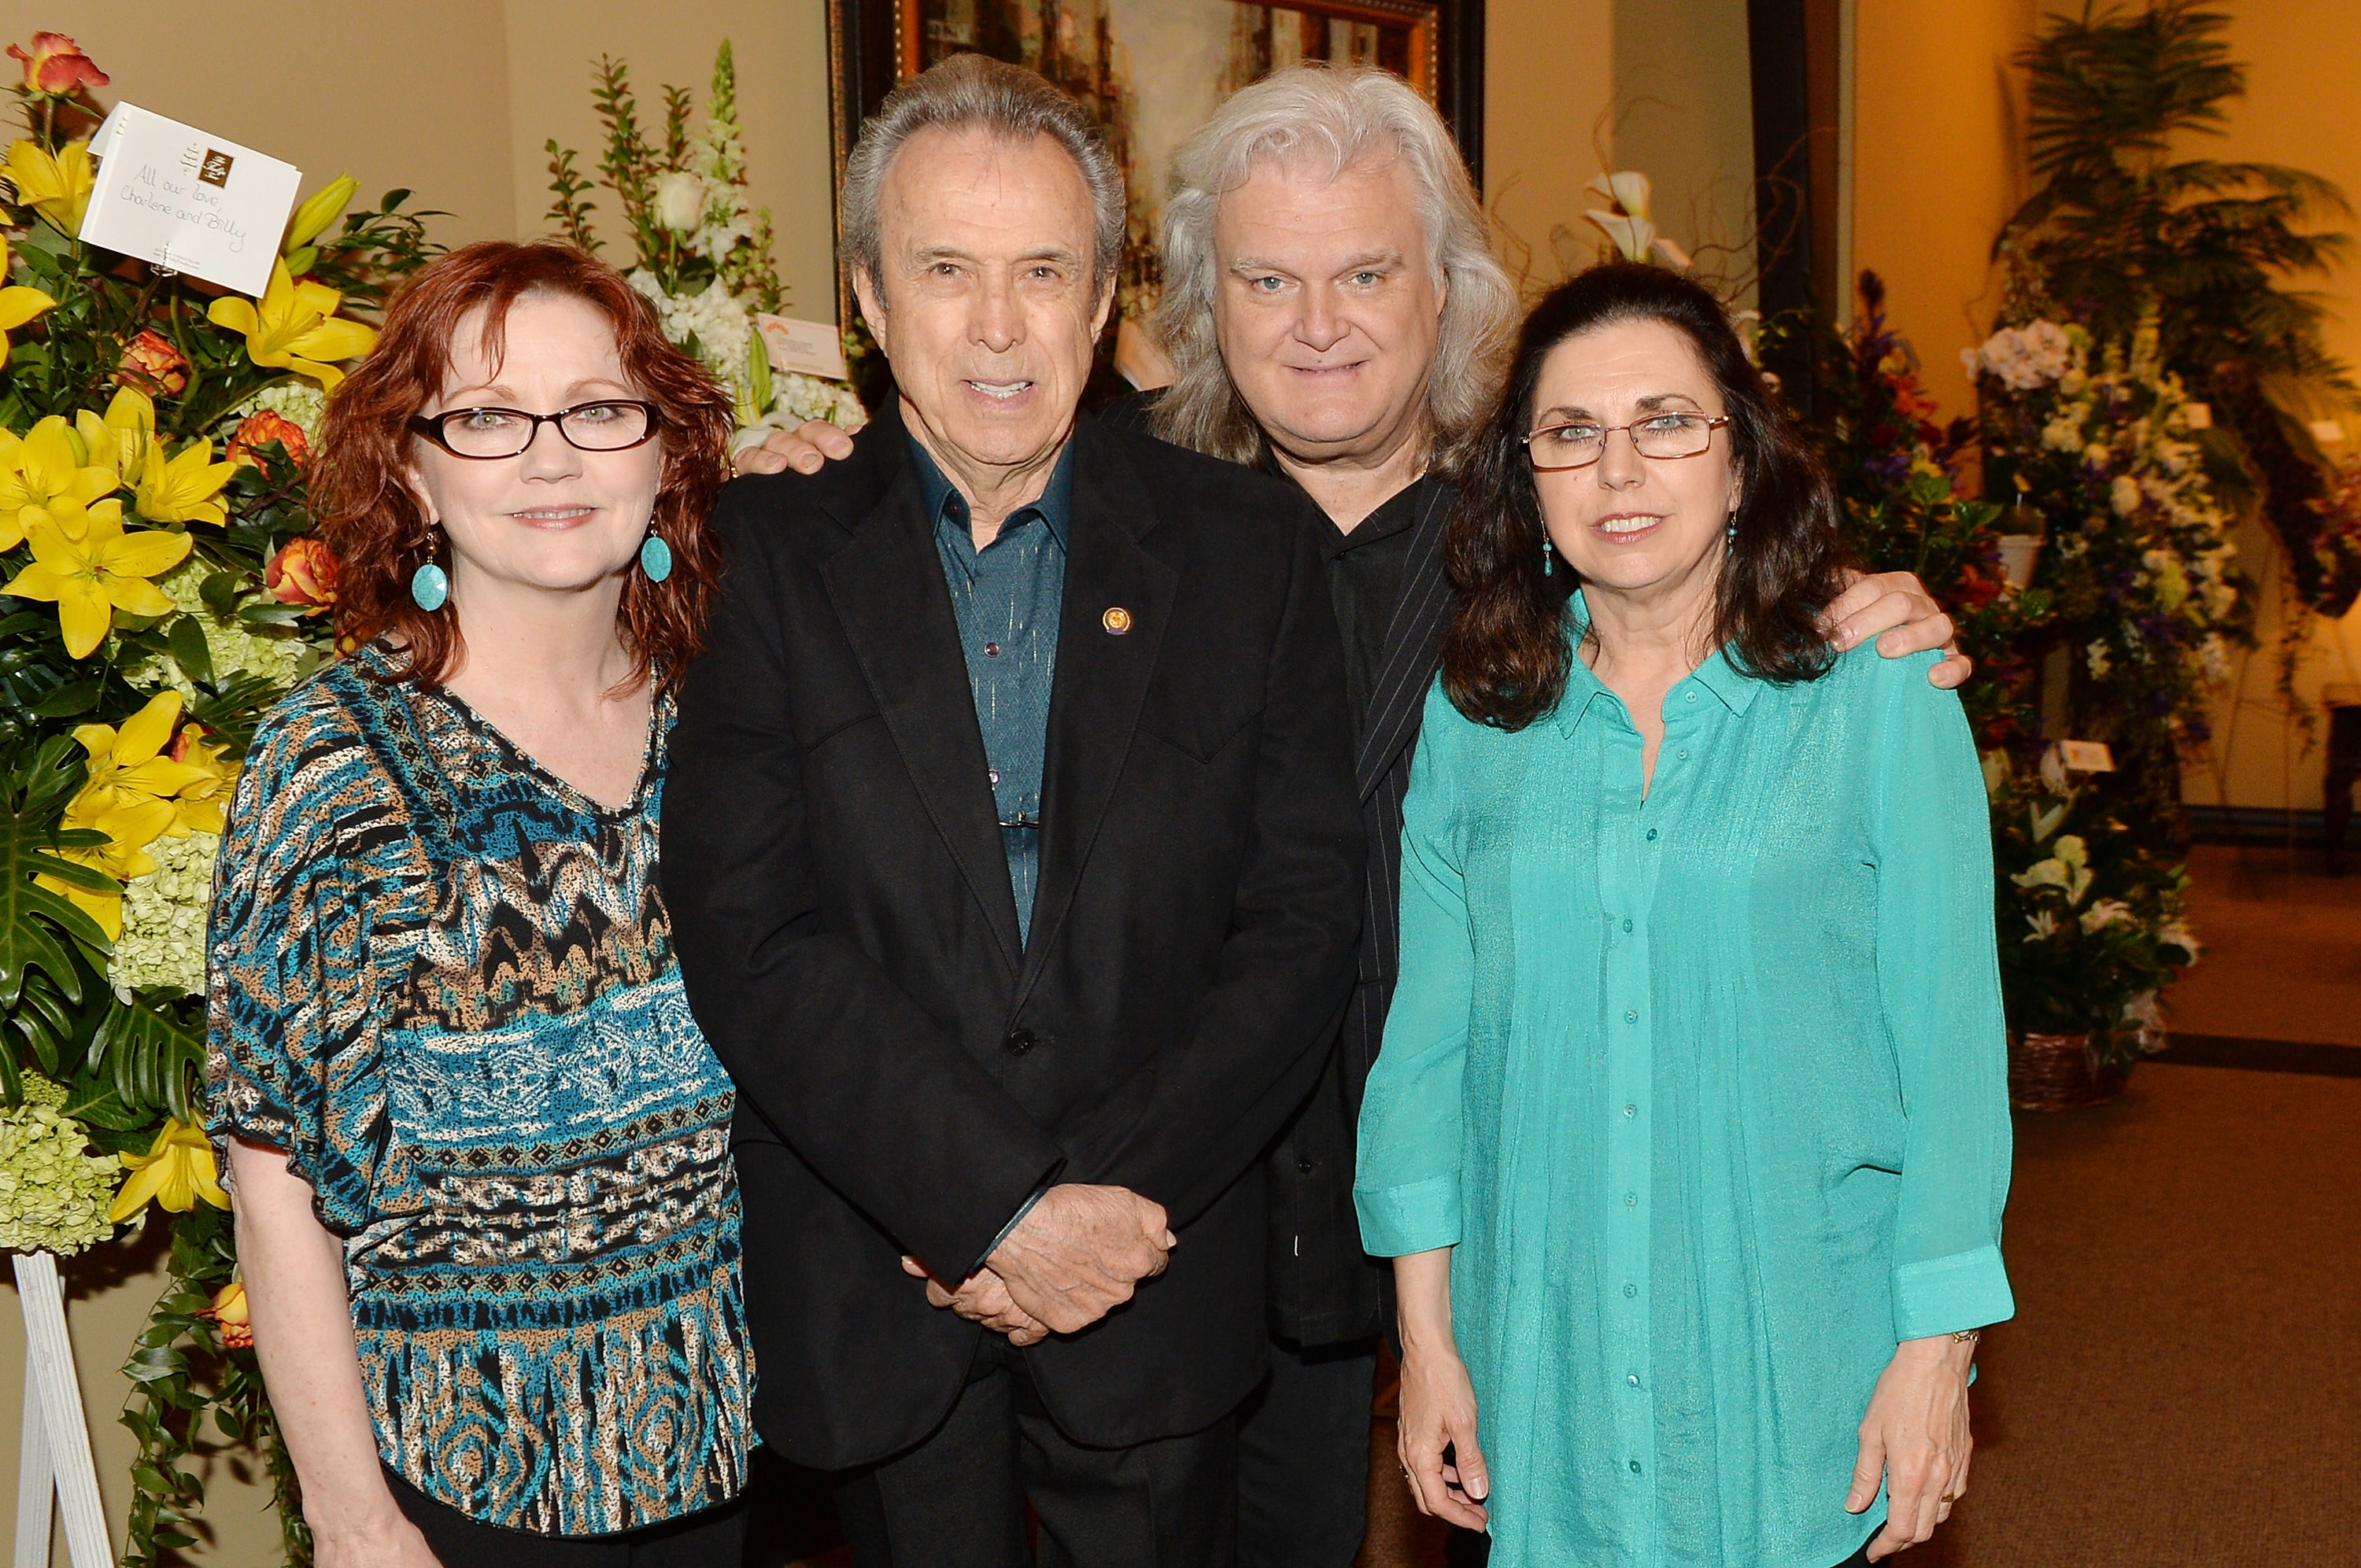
[
  {"x": 1505, "y": 654},
  {"x": 372, "y": 517}
]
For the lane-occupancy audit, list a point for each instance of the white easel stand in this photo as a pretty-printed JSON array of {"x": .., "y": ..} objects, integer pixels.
[{"x": 55, "y": 1459}]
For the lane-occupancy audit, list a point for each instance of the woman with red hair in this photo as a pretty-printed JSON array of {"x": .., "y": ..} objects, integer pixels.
[{"x": 485, "y": 1208}]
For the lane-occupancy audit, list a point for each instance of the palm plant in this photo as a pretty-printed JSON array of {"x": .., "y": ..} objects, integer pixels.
[{"x": 2122, "y": 225}]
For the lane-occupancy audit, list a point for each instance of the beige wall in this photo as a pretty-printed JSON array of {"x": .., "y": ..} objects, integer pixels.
[
  {"x": 1549, "y": 98},
  {"x": 1936, "y": 168},
  {"x": 454, "y": 101},
  {"x": 1684, "y": 104}
]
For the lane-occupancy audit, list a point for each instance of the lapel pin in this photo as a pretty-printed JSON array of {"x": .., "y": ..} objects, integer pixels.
[{"x": 1118, "y": 620}]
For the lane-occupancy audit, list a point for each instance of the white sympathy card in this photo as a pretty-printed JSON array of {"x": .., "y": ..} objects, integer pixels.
[
  {"x": 809, "y": 348},
  {"x": 187, "y": 201}
]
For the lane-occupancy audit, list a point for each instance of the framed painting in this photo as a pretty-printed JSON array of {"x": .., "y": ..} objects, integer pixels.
[{"x": 1152, "y": 70}]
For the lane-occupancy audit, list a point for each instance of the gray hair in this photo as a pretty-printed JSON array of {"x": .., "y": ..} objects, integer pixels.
[
  {"x": 1330, "y": 118},
  {"x": 1013, "y": 105}
]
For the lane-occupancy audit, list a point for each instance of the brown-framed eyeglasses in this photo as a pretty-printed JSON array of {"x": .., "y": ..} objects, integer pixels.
[
  {"x": 1577, "y": 443},
  {"x": 611, "y": 425}
]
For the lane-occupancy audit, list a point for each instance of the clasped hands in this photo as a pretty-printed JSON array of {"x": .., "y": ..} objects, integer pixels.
[{"x": 1078, "y": 1254}]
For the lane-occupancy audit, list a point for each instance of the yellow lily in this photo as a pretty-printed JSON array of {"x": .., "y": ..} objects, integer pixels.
[
  {"x": 118, "y": 438},
  {"x": 177, "y": 1170},
  {"x": 201, "y": 802},
  {"x": 44, "y": 470},
  {"x": 318, "y": 209},
  {"x": 130, "y": 764},
  {"x": 103, "y": 571},
  {"x": 58, "y": 188},
  {"x": 130, "y": 827},
  {"x": 18, "y": 303},
  {"x": 293, "y": 327},
  {"x": 181, "y": 488}
]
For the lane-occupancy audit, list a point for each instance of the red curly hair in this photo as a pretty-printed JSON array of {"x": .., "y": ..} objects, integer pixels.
[{"x": 372, "y": 519}]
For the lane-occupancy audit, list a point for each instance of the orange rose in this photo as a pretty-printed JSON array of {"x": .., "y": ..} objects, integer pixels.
[
  {"x": 229, "y": 1311},
  {"x": 57, "y": 67},
  {"x": 304, "y": 571},
  {"x": 151, "y": 364},
  {"x": 262, "y": 428}
]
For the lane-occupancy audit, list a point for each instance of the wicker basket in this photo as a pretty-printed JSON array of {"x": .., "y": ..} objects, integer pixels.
[{"x": 2058, "y": 1072}]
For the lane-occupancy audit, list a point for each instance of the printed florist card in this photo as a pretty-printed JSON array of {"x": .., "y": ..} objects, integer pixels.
[{"x": 181, "y": 199}]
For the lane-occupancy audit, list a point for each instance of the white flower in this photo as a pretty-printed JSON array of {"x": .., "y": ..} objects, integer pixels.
[
  {"x": 300, "y": 402},
  {"x": 680, "y": 200},
  {"x": 2064, "y": 430},
  {"x": 2124, "y": 495},
  {"x": 2044, "y": 924},
  {"x": 54, "y": 1191},
  {"x": 2024, "y": 358},
  {"x": 2106, "y": 911},
  {"x": 2176, "y": 933},
  {"x": 2100, "y": 663},
  {"x": 2097, "y": 455}
]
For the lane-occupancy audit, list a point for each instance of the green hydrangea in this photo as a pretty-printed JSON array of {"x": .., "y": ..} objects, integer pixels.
[
  {"x": 54, "y": 1191},
  {"x": 298, "y": 403},
  {"x": 163, "y": 940},
  {"x": 233, "y": 648}
]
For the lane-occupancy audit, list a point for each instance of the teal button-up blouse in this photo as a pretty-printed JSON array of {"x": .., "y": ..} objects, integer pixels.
[{"x": 1707, "y": 1088}]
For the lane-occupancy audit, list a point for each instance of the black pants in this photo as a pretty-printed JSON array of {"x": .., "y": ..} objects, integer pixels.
[
  {"x": 1467, "y": 1549},
  {"x": 1303, "y": 1458},
  {"x": 958, "y": 1499},
  {"x": 713, "y": 1538}
]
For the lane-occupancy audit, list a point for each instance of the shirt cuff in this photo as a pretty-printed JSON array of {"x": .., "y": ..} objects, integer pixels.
[
  {"x": 1947, "y": 1295},
  {"x": 1013, "y": 1221},
  {"x": 1420, "y": 1217}
]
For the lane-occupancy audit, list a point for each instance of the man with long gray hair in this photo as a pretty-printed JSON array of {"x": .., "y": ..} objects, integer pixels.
[{"x": 1335, "y": 314}]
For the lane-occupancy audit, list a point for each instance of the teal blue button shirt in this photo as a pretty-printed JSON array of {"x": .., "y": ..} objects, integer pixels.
[
  {"x": 1006, "y": 598},
  {"x": 1707, "y": 1090}
]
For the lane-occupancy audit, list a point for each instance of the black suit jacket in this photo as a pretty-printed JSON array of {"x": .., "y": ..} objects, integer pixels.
[{"x": 909, "y": 1071}]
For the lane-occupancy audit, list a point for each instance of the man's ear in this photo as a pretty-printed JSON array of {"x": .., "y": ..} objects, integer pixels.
[
  {"x": 873, "y": 308},
  {"x": 1104, "y": 308}
]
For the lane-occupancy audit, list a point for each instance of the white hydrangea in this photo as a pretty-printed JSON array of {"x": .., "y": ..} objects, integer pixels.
[
  {"x": 163, "y": 940},
  {"x": 234, "y": 649},
  {"x": 715, "y": 319},
  {"x": 2023, "y": 357},
  {"x": 54, "y": 1191}
]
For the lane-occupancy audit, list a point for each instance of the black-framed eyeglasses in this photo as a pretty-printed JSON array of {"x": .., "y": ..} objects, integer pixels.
[
  {"x": 1579, "y": 444},
  {"x": 611, "y": 425}
]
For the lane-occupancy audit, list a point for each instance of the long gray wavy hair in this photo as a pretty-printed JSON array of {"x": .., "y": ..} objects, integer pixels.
[{"x": 1329, "y": 118}]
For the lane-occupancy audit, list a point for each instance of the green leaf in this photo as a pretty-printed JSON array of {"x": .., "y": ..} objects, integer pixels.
[
  {"x": 150, "y": 1058},
  {"x": 74, "y": 696},
  {"x": 32, "y": 921},
  {"x": 219, "y": 591},
  {"x": 187, "y": 641}
]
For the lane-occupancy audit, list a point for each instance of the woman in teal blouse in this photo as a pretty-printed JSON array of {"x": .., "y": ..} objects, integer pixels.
[{"x": 1690, "y": 1135}]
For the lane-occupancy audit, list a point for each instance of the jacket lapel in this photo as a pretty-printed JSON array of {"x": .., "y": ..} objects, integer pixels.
[
  {"x": 888, "y": 587},
  {"x": 1102, "y": 677},
  {"x": 1398, "y": 696}
]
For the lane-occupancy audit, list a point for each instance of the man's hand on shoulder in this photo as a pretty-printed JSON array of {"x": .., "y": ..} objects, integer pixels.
[
  {"x": 804, "y": 449},
  {"x": 1081, "y": 1253},
  {"x": 1895, "y": 608}
]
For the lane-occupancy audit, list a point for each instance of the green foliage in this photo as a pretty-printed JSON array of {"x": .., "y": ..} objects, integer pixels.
[
  {"x": 569, "y": 213},
  {"x": 2122, "y": 230}
]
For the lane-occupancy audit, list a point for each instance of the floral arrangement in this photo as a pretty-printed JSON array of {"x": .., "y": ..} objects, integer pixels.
[
  {"x": 158, "y": 590},
  {"x": 2091, "y": 924},
  {"x": 2337, "y": 547},
  {"x": 2100, "y": 441},
  {"x": 702, "y": 255}
]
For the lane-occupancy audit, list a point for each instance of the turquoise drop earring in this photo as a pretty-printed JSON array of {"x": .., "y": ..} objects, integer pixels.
[
  {"x": 655, "y": 557},
  {"x": 430, "y": 590},
  {"x": 1546, "y": 558}
]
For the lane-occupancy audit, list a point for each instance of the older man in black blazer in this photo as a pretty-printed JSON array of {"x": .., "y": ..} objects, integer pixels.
[{"x": 1011, "y": 841}]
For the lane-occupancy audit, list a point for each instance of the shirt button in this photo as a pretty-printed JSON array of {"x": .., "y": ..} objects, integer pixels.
[
  {"x": 1633, "y": 1380},
  {"x": 1651, "y": 835},
  {"x": 991, "y": 650},
  {"x": 1630, "y": 1017},
  {"x": 1627, "y": 925},
  {"x": 1685, "y": 753},
  {"x": 1631, "y": 1110},
  {"x": 1631, "y": 1199},
  {"x": 1686, "y": 696},
  {"x": 1631, "y": 1290},
  {"x": 1635, "y": 1467}
]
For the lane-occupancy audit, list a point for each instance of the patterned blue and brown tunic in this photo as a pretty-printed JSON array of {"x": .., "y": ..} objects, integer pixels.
[{"x": 442, "y": 981}]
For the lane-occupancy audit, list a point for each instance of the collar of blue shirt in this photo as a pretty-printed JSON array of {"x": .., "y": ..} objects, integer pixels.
[
  {"x": 1720, "y": 674},
  {"x": 946, "y": 508}
]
